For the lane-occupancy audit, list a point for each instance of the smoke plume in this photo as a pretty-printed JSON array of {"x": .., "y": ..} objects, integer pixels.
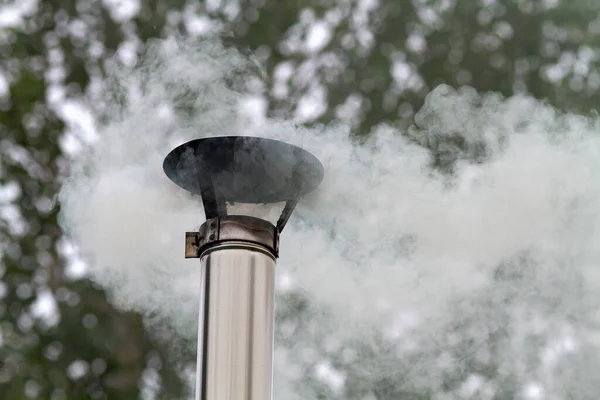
[{"x": 456, "y": 260}]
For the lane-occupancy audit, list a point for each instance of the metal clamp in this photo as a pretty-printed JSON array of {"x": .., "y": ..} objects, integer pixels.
[{"x": 232, "y": 228}]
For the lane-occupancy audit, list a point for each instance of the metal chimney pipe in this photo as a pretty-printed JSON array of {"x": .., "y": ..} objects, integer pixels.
[
  {"x": 235, "y": 331},
  {"x": 237, "y": 253}
]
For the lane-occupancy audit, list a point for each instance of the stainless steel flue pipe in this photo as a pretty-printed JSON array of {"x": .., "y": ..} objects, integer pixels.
[
  {"x": 235, "y": 331},
  {"x": 238, "y": 252}
]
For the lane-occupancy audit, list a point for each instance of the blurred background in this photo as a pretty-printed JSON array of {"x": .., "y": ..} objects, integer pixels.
[{"x": 360, "y": 61}]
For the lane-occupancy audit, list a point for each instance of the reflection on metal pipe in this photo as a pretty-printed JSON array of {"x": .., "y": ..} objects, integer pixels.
[{"x": 235, "y": 339}]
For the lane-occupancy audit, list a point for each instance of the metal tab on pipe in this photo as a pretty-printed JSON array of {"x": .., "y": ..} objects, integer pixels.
[{"x": 191, "y": 245}]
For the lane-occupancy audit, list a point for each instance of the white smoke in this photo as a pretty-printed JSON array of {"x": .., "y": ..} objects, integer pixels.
[{"x": 486, "y": 274}]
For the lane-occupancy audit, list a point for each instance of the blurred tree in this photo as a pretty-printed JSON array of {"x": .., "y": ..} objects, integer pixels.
[
  {"x": 86, "y": 348},
  {"x": 361, "y": 61}
]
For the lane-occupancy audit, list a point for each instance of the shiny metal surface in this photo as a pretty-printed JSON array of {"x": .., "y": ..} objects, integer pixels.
[
  {"x": 235, "y": 335},
  {"x": 236, "y": 228}
]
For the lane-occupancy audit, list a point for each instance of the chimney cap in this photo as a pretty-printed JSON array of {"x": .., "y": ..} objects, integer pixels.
[{"x": 243, "y": 169}]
